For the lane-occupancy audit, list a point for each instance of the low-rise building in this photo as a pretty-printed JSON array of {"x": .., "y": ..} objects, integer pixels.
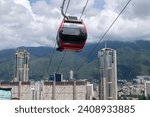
[{"x": 41, "y": 90}]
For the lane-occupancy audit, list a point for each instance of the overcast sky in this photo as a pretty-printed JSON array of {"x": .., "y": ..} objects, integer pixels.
[{"x": 35, "y": 22}]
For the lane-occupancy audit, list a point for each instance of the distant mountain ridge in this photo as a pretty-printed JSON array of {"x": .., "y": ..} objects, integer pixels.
[{"x": 133, "y": 59}]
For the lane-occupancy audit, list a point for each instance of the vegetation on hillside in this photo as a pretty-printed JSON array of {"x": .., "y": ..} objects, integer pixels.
[{"x": 133, "y": 58}]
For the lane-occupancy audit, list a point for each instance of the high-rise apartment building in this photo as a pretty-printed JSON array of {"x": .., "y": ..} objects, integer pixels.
[
  {"x": 22, "y": 66},
  {"x": 107, "y": 74}
]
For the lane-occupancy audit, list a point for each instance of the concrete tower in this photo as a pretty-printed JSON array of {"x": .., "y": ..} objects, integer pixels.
[
  {"x": 107, "y": 74},
  {"x": 22, "y": 66}
]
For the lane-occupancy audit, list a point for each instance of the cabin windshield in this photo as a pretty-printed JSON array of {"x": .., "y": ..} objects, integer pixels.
[
  {"x": 74, "y": 39},
  {"x": 71, "y": 31}
]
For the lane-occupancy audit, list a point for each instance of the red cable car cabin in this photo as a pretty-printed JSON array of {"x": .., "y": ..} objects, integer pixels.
[{"x": 72, "y": 35}]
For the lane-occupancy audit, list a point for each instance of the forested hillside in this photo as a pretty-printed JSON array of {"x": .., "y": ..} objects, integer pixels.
[{"x": 133, "y": 58}]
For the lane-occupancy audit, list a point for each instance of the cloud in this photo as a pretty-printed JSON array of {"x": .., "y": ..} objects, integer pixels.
[
  {"x": 23, "y": 23},
  {"x": 20, "y": 25},
  {"x": 131, "y": 25},
  {"x": 139, "y": 9}
]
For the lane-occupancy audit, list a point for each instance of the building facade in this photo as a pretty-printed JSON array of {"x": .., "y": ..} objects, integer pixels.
[
  {"x": 147, "y": 88},
  {"x": 41, "y": 90},
  {"x": 107, "y": 74},
  {"x": 21, "y": 66}
]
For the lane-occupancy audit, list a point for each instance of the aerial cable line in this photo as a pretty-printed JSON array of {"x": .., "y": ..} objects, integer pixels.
[
  {"x": 91, "y": 52},
  {"x": 84, "y": 9},
  {"x": 50, "y": 62},
  {"x": 64, "y": 14},
  {"x": 61, "y": 62},
  {"x": 51, "y": 57},
  {"x": 62, "y": 7}
]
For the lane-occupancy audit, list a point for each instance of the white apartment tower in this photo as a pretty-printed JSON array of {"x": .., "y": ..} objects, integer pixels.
[
  {"x": 107, "y": 74},
  {"x": 22, "y": 66}
]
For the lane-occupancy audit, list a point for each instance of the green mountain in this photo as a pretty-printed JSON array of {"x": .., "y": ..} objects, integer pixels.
[{"x": 133, "y": 58}]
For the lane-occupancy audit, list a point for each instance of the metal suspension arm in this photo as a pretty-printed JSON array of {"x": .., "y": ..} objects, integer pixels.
[
  {"x": 62, "y": 12},
  {"x": 84, "y": 9}
]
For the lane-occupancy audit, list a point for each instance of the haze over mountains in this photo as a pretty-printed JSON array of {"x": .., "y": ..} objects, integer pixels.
[{"x": 133, "y": 59}]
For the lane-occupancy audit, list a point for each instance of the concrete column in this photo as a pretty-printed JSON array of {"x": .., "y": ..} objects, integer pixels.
[
  {"x": 19, "y": 90},
  {"x": 74, "y": 90},
  {"x": 54, "y": 91}
]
